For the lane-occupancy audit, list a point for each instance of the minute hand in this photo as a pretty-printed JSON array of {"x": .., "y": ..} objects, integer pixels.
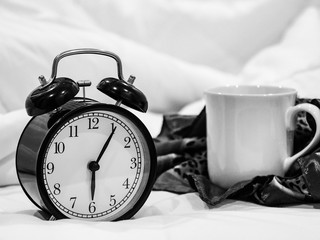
[{"x": 106, "y": 143}]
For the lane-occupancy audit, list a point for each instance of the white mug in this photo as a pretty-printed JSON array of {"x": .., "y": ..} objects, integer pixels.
[{"x": 250, "y": 131}]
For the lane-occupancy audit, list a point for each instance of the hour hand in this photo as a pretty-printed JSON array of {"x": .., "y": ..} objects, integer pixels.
[
  {"x": 93, "y": 167},
  {"x": 93, "y": 184}
]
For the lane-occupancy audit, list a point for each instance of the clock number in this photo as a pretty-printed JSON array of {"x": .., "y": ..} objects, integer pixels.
[
  {"x": 73, "y": 131},
  {"x": 113, "y": 201},
  {"x": 73, "y": 200},
  {"x": 59, "y": 147},
  {"x": 92, "y": 207},
  {"x": 50, "y": 168},
  {"x": 57, "y": 189},
  {"x": 113, "y": 127},
  {"x": 126, "y": 183},
  {"x": 93, "y": 123},
  {"x": 133, "y": 163},
  {"x": 127, "y": 140}
]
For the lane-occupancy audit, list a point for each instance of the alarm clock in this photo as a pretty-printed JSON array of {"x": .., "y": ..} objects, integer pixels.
[{"x": 82, "y": 159}]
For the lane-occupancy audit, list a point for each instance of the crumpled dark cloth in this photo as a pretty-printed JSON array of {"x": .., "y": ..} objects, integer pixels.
[{"x": 182, "y": 165}]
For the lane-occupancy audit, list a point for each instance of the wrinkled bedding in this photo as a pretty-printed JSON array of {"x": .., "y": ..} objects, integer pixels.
[{"x": 176, "y": 49}]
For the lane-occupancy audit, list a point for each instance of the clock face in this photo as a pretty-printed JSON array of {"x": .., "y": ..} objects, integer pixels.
[{"x": 96, "y": 165}]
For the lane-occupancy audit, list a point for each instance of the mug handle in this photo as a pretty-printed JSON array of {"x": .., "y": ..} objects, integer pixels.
[{"x": 291, "y": 123}]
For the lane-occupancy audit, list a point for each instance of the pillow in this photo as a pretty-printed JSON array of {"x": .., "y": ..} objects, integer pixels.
[
  {"x": 295, "y": 61},
  {"x": 32, "y": 33},
  {"x": 217, "y": 33},
  {"x": 12, "y": 125}
]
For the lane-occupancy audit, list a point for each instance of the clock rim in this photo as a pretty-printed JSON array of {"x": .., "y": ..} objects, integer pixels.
[{"x": 112, "y": 109}]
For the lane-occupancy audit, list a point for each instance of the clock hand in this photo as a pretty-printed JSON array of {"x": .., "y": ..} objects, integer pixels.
[
  {"x": 93, "y": 184},
  {"x": 93, "y": 166},
  {"x": 106, "y": 143}
]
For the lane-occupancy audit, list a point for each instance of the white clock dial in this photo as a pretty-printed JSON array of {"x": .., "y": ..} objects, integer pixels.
[{"x": 79, "y": 190}]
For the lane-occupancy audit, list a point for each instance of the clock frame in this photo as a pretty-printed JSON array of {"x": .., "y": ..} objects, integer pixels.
[{"x": 40, "y": 132}]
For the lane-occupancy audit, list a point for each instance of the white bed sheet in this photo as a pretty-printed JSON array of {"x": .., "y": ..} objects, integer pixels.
[
  {"x": 219, "y": 42},
  {"x": 164, "y": 216}
]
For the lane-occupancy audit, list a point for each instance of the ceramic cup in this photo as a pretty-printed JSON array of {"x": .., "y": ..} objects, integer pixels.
[{"x": 250, "y": 131}]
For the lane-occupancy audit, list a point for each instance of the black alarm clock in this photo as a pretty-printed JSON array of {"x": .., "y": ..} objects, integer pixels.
[{"x": 83, "y": 159}]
